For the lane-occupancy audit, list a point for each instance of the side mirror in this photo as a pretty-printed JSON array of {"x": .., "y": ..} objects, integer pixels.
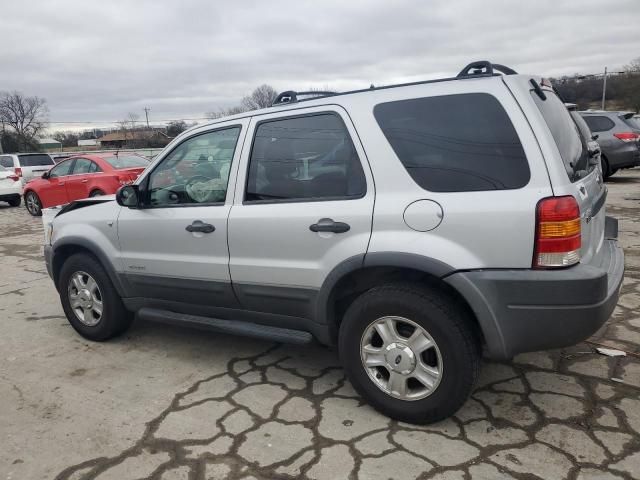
[
  {"x": 46, "y": 175},
  {"x": 127, "y": 196}
]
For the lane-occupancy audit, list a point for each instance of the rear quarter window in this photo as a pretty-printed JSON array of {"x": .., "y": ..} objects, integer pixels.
[
  {"x": 455, "y": 143},
  {"x": 6, "y": 162},
  {"x": 598, "y": 123},
  {"x": 35, "y": 160}
]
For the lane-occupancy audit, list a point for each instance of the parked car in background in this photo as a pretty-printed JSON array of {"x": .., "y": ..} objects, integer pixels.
[
  {"x": 618, "y": 137},
  {"x": 81, "y": 177},
  {"x": 27, "y": 165},
  {"x": 487, "y": 233},
  {"x": 10, "y": 187},
  {"x": 593, "y": 148}
]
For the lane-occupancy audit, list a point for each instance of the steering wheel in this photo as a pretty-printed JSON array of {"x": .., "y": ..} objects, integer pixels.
[{"x": 197, "y": 189}]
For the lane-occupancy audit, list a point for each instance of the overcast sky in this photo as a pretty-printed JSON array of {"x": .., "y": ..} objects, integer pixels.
[{"x": 94, "y": 61}]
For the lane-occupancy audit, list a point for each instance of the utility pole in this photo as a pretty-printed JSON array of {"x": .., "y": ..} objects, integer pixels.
[
  {"x": 146, "y": 114},
  {"x": 604, "y": 87}
]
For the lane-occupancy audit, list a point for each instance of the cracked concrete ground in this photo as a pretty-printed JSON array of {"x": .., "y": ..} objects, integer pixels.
[{"x": 171, "y": 404}]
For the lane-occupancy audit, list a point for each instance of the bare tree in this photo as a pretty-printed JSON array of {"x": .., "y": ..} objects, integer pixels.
[
  {"x": 132, "y": 119},
  {"x": 261, "y": 97},
  {"x": 633, "y": 66},
  {"x": 26, "y": 116}
]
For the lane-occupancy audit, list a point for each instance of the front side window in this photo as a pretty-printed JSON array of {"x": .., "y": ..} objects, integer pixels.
[
  {"x": 62, "y": 169},
  {"x": 196, "y": 171},
  {"x": 598, "y": 123},
  {"x": 455, "y": 143},
  {"x": 304, "y": 158}
]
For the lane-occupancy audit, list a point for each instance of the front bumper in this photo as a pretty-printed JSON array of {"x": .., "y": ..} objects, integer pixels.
[
  {"x": 529, "y": 310},
  {"x": 48, "y": 258}
]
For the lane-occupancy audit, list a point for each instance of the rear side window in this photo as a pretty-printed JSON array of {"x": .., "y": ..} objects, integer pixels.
[
  {"x": 572, "y": 147},
  {"x": 598, "y": 123},
  {"x": 455, "y": 143},
  {"x": 304, "y": 158},
  {"x": 82, "y": 166},
  {"x": 6, "y": 162},
  {"x": 35, "y": 160}
]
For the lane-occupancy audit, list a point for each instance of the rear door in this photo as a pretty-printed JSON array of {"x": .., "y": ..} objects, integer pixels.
[
  {"x": 77, "y": 182},
  {"x": 303, "y": 205},
  {"x": 580, "y": 178}
]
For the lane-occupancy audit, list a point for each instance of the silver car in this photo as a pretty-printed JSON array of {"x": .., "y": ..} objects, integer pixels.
[
  {"x": 618, "y": 134},
  {"x": 411, "y": 226}
]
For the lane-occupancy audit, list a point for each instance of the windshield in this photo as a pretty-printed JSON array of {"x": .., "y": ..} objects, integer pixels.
[
  {"x": 127, "y": 161},
  {"x": 35, "y": 160}
]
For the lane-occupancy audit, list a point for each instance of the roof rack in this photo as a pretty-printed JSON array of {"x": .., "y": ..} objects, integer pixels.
[
  {"x": 484, "y": 68},
  {"x": 480, "y": 68},
  {"x": 291, "y": 96}
]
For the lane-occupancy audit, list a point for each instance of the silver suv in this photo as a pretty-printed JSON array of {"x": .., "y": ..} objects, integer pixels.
[
  {"x": 412, "y": 226},
  {"x": 618, "y": 135}
]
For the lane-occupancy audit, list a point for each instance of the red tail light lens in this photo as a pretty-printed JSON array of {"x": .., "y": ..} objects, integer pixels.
[
  {"x": 558, "y": 235},
  {"x": 627, "y": 136},
  {"x": 18, "y": 171},
  {"x": 15, "y": 178}
]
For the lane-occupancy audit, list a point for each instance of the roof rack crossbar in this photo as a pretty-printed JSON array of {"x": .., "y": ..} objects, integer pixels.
[
  {"x": 485, "y": 69},
  {"x": 291, "y": 96}
]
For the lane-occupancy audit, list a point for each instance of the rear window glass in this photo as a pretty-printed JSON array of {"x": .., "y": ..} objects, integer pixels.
[
  {"x": 572, "y": 147},
  {"x": 633, "y": 122},
  {"x": 455, "y": 143},
  {"x": 598, "y": 123},
  {"x": 35, "y": 160},
  {"x": 126, "y": 161}
]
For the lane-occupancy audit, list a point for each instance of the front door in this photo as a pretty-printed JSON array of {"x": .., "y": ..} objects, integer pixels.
[
  {"x": 54, "y": 191},
  {"x": 174, "y": 248},
  {"x": 303, "y": 205}
]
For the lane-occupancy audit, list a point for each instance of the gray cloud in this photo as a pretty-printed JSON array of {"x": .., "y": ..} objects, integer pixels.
[{"x": 96, "y": 61}]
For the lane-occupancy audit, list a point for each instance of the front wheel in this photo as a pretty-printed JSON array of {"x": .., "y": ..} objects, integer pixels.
[
  {"x": 410, "y": 352},
  {"x": 96, "y": 193},
  {"x": 33, "y": 204},
  {"x": 89, "y": 299}
]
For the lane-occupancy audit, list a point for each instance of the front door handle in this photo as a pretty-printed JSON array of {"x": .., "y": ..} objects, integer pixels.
[
  {"x": 199, "y": 226},
  {"x": 84, "y": 181},
  {"x": 328, "y": 225}
]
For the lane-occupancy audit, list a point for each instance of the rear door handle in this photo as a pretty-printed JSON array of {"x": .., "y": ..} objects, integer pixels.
[
  {"x": 328, "y": 225},
  {"x": 199, "y": 226},
  {"x": 84, "y": 181}
]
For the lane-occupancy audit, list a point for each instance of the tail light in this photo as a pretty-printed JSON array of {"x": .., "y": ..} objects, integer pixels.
[
  {"x": 18, "y": 172},
  {"x": 627, "y": 136},
  {"x": 124, "y": 180},
  {"x": 14, "y": 177},
  {"x": 558, "y": 236}
]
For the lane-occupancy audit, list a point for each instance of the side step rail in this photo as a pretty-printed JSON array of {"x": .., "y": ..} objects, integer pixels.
[{"x": 233, "y": 327}]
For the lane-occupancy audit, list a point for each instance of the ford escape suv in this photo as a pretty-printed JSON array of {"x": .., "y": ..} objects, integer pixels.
[{"x": 411, "y": 226}]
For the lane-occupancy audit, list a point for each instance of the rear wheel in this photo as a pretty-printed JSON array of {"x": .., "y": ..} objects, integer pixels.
[
  {"x": 410, "y": 352},
  {"x": 15, "y": 201},
  {"x": 607, "y": 171},
  {"x": 33, "y": 204},
  {"x": 96, "y": 193},
  {"x": 90, "y": 301}
]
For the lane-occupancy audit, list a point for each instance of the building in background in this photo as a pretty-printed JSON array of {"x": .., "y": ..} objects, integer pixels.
[{"x": 49, "y": 144}]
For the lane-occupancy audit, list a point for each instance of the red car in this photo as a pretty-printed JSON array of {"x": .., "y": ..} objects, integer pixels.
[{"x": 81, "y": 177}]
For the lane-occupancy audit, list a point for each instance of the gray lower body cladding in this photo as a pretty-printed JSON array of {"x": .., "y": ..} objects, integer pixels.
[{"x": 529, "y": 310}]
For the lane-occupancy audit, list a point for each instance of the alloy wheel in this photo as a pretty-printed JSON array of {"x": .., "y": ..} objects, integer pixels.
[
  {"x": 85, "y": 298},
  {"x": 401, "y": 358}
]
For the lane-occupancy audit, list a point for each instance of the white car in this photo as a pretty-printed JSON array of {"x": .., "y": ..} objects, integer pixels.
[
  {"x": 27, "y": 165},
  {"x": 10, "y": 187}
]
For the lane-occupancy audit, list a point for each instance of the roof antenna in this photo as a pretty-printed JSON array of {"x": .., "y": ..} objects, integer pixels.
[{"x": 371, "y": 86}]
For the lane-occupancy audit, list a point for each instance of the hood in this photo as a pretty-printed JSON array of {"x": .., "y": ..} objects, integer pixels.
[{"x": 86, "y": 202}]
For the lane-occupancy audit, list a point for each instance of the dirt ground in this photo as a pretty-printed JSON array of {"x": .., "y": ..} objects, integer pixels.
[{"x": 168, "y": 403}]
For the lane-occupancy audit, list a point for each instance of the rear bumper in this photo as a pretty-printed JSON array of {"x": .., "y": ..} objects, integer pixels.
[
  {"x": 626, "y": 157},
  {"x": 10, "y": 192},
  {"x": 528, "y": 310}
]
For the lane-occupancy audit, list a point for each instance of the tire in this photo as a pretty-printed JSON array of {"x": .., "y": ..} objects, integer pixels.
[
  {"x": 607, "y": 171},
  {"x": 456, "y": 354},
  {"x": 96, "y": 193},
  {"x": 113, "y": 320},
  {"x": 33, "y": 204},
  {"x": 15, "y": 201}
]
